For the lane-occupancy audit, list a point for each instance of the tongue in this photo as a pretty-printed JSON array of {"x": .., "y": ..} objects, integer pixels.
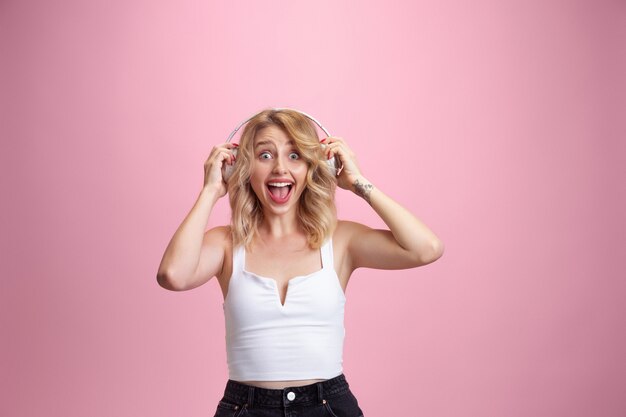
[{"x": 280, "y": 192}]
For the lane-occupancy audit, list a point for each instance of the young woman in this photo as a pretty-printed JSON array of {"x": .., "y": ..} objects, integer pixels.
[{"x": 284, "y": 263}]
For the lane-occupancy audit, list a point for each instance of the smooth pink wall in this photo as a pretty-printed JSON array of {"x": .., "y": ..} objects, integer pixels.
[{"x": 497, "y": 123}]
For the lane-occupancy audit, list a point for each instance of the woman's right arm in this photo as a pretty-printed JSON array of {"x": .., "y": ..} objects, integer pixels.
[{"x": 180, "y": 268}]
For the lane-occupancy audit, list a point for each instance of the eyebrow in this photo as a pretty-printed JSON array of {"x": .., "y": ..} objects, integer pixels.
[{"x": 267, "y": 142}]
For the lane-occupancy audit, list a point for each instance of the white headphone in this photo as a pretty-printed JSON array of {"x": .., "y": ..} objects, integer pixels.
[{"x": 227, "y": 170}]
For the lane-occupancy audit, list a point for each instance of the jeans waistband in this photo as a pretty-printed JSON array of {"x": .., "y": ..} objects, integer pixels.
[{"x": 317, "y": 392}]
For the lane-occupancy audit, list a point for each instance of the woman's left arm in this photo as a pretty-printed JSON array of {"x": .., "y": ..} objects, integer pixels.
[{"x": 409, "y": 242}]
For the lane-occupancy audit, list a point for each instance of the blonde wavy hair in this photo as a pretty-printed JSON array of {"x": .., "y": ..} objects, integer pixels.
[{"x": 316, "y": 210}]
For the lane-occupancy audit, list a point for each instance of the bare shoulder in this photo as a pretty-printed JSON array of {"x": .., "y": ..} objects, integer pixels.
[
  {"x": 219, "y": 232},
  {"x": 218, "y": 238},
  {"x": 366, "y": 247},
  {"x": 214, "y": 254},
  {"x": 347, "y": 225},
  {"x": 342, "y": 236},
  {"x": 346, "y": 229}
]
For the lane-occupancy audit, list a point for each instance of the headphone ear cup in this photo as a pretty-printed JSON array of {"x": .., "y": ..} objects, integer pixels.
[
  {"x": 333, "y": 163},
  {"x": 227, "y": 170}
]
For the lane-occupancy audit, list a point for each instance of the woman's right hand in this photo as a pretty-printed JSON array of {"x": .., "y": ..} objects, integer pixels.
[{"x": 220, "y": 155}]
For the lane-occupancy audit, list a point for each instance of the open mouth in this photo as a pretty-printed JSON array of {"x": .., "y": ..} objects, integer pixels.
[{"x": 280, "y": 191}]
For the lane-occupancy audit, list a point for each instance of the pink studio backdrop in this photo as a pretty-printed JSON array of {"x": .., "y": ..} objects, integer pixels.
[{"x": 497, "y": 123}]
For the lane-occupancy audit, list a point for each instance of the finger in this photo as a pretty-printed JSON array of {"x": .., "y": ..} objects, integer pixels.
[
  {"x": 232, "y": 148},
  {"x": 334, "y": 148},
  {"x": 225, "y": 157},
  {"x": 228, "y": 146},
  {"x": 215, "y": 154},
  {"x": 331, "y": 145},
  {"x": 332, "y": 152}
]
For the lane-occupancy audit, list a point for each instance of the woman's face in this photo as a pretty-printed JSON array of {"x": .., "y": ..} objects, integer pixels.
[{"x": 277, "y": 162}]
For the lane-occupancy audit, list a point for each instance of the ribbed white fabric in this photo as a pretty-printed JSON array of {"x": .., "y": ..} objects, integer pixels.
[{"x": 268, "y": 341}]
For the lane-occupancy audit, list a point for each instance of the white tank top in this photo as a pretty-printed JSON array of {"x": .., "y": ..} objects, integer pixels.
[{"x": 269, "y": 341}]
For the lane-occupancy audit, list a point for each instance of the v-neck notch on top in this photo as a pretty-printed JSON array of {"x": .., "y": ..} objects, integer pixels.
[{"x": 295, "y": 279}]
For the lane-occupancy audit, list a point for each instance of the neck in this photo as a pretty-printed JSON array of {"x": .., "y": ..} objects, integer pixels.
[{"x": 280, "y": 226}]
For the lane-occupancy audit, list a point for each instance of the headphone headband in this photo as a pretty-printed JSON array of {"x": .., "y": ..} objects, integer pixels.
[{"x": 276, "y": 108}]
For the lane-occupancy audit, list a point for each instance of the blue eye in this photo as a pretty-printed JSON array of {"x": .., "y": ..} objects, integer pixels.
[
  {"x": 264, "y": 153},
  {"x": 297, "y": 156}
]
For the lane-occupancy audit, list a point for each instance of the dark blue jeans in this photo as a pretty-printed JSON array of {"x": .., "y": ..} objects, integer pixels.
[{"x": 330, "y": 398}]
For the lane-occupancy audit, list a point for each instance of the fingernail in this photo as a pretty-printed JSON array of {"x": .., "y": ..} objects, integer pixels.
[
  {"x": 235, "y": 144},
  {"x": 323, "y": 140}
]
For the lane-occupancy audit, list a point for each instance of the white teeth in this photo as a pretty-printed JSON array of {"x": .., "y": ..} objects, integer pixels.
[{"x": 279, "y": 184}]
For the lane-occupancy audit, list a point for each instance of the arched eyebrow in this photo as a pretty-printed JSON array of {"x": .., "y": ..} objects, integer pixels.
[{"x": 267, "y": 142}]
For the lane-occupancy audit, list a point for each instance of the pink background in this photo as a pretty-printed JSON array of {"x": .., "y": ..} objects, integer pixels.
[{"x": 496, "y": 123}]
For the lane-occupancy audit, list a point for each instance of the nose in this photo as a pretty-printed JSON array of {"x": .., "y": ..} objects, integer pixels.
[{"x": 280, "y": 165}]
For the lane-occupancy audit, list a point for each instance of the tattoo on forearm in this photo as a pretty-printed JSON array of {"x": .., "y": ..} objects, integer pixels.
[{"x": 363, "y": 189}]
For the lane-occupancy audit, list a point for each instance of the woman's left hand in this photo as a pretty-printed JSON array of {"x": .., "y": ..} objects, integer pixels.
[{"x": 350, "y": 171}]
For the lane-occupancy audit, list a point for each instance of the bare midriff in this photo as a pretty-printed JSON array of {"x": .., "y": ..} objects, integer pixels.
[{"x": 281, "y": 384}]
